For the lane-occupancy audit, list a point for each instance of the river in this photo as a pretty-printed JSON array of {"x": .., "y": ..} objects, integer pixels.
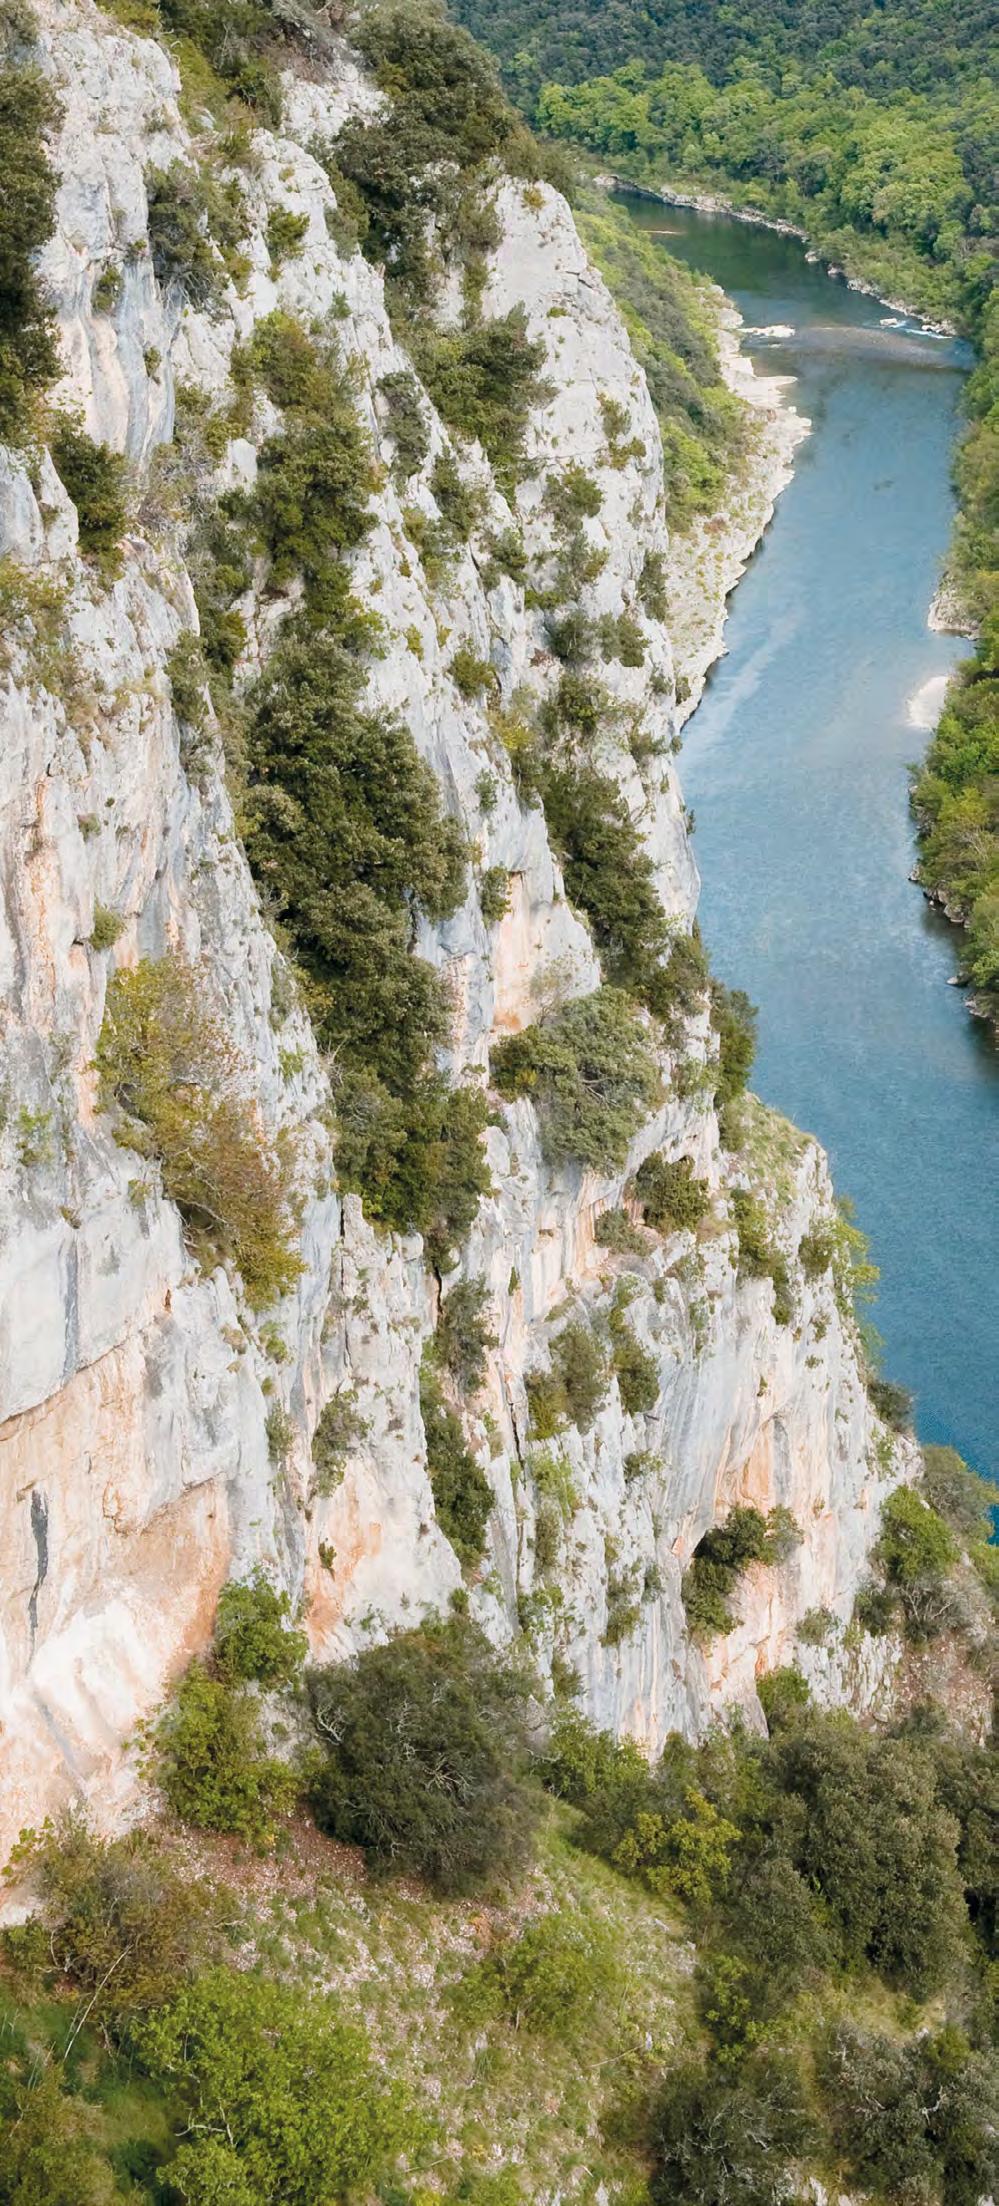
[{"x": 795, "y": 766}]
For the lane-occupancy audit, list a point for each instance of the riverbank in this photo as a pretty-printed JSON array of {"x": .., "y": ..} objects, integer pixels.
[
  {"x": 712, "y": 554},
  {"x": 796, "y": 767},
  {"x": 715, "y": 203}
]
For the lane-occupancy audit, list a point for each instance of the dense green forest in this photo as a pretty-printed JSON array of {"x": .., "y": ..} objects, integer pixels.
[
  {"x": 877, "y": 133},
  {"x": 902, "y": 45}
]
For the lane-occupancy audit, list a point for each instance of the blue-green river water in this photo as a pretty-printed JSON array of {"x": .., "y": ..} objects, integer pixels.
[{"x": 795, "y": 765}]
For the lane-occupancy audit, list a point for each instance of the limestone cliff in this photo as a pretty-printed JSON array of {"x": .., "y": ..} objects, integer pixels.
[{"x": 137, "y": 1393}]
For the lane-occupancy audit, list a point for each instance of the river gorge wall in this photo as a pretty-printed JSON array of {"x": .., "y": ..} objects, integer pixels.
[{"x": 138, "y": 1390}]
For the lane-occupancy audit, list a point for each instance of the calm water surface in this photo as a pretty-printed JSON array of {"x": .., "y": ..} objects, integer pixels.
[{"x": 795, "y": 764}]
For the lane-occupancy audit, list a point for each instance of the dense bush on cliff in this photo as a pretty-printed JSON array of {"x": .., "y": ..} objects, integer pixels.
[
  {"x": 27, "y": 110},
  {"x": 166, "y": 1065},
  {"x": 591, "y": 1074},
  {"x": 424, "y": 1754},
  {"x": 343, "y": 822}
]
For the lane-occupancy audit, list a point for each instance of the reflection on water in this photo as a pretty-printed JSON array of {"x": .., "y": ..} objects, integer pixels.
[{"x": 796, "y": 764}]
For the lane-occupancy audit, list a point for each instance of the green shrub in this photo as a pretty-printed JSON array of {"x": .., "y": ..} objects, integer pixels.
[
  {"x": 461, "y": 502},
  {"x": 572, "y": 497},
  {"x": 339, "y": 1428},
  {"x": 95, "y": 478},
  {"x": 759, "y": 1258},
  {"x": 106, "y": 929},
  {"x": 623, "y": 1610},
  {"x": 28, "y": 356},
  {"x": 253, "y": 1638},
  {"x": 572, "y": 1390},
  {"x": 106, "y": 290},
  {"x": 470, "y": 674},
  {"x": 816, "y": 1251},
  {"x": 915, "y": 1542},
  {"x": 279, "y": 1429},
  {"x": 635, "y": 1368},
  {"x": 616, "y": 1231},
  {"x": 570, "y": 635},
  {"x": 165, "y": 1062},
  {"x": 494, "y": 894},
  {"x": 734, "y": 1020},
  {"x": 342, "y": 820},
  {"x": 52, "y": 2154},
  {"x": 310, "y": 500},
  {"x": 286, "y": 233},
  {"x": 121, "y": 1921},
  {"x": 916, "y": 2119},
  {"x": 672, "y": 1200},
  {"x": 429, "y": 158},
  {"x": 720, "y": 1558},
  {"x": 407, "y": 423},
  {"x": 620, "y": 637},
  {"x": 279, "y": 2100},
  {"x": 464, "y": 1334},
  {"x": 187, "y": 674},
  {"x": 959, "y": 1496},
  {"x": 874, "y": 1609},
  {"x": 485, "y": 381},
  {"x": 610, "y": 877},
  {"x": 180, "y": 238},
  {"x": 345, "y": 827},
  {"x": 873, "y": 1840},
  {"x": 652, "y": 586},
  {"x": 781, "y": 1693},
  {"x": 241, "y": 42},
  {"x": 547, "y": 1536},
  {"x": 892, "y": 1402},
  {"x": 463, "y": 1497},
  {"x": 212, "y": 1764},
  {"x": 417, "y": 1159},
  {"x": 556, "y": 1977},
  {"x": 816, "y": 1626},
  {"x": 722, "y": 2134},
  {"x": 424, "y": 1757},
  {"x": 506, "y": 556},
  {"x": 591, "y": 1075}
]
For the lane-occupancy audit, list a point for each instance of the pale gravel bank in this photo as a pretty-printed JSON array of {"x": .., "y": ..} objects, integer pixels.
[{"x": 707, "y": 561}]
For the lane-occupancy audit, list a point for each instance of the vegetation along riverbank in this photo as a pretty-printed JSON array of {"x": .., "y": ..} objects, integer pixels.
[{"x": 873, "y": 133}]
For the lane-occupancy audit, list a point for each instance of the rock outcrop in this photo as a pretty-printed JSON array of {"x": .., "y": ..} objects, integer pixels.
[{"x": 138, "y": 1465}]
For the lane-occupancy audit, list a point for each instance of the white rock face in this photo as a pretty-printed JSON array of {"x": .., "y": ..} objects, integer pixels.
[{"x": 135, "y": 1391}]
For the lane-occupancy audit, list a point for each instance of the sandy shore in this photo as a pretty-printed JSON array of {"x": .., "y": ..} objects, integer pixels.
[
  {"x": 927, "y": 703},
  {"x": 707, "y": 561}
]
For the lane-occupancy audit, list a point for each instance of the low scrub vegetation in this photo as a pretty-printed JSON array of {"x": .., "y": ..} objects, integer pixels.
[
  {"x": 463, "y": 1497},
  {"x": 571, "y": 1390},
  {"x": 720, "y": 1558},
  {"x": 168, "y": 1069},
  {"x": 591, "y": 1074},
  {"x": 759, "y": 1256},
  {"x": 342, "y": 819},
  {"x": 672, "y": 1200},
  {"x": 95, "y": 478}
]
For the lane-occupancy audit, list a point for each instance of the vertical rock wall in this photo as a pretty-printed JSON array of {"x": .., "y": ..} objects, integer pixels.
[{"x": 137, "y": 1393}]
